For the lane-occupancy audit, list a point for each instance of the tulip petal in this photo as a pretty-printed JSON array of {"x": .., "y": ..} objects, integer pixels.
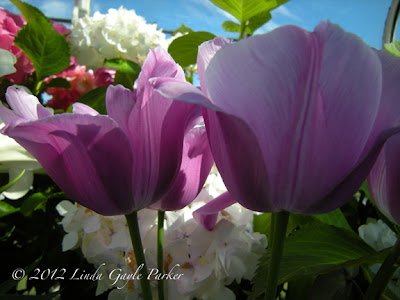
[
  {"x": 207, "y": 215},
  {"x": 196, "y": 164},
  {"x": 25, "y": 105},
  {"x": 87, "y": 156},
  {"x": 207, "y": 50},
  {"x": 383, "y": 180},
  {"x": 349, "y": 185},
  {"x": 182, "y": 91},
  {"x": 120, "y": 102},
  {"x": 301, "y": 106},
  {"x": 388, "y": 114},
  {"x": 83, "y": 109},
  {"x": 155, "y": 126}
]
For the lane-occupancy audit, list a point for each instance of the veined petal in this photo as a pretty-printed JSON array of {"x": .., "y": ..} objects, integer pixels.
[
  {"x": 88, "y": 157},
  {"x": 301, "y": 105},
  {"x": 196, "y": 164}
]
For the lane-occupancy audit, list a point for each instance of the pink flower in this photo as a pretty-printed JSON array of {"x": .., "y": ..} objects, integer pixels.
[
  {"x": 10, "y": 24},
  {"x": 81, "y": 81}
]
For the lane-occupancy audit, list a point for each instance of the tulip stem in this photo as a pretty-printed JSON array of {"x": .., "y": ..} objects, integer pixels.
[
  {"x": 384, "y": 274},
  {"x": 279, "y": 223},
  {"x": 160, "y": 252},
  {"x": 134, "y": 232}
]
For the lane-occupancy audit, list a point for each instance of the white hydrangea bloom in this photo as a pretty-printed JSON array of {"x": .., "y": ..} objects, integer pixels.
[
  {"x": 379, "y": 236},
  {"x": 208, "y": 260},
  {"x": 120, "y": 33},
  {"x": 13, "y": 160}
]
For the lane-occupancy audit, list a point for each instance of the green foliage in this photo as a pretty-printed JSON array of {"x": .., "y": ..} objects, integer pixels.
[
  {"x": 123, "y": 65},
  {"x": 184, "y": 49},
  {"x": 96, "y": 99},
  {"x": 182, "y": 29},
  {"x": 317, "y": 249},
  {"x": 251, "y": 14},
  {"x": 262, "y": 223},
  {"x": 393, "y": 48},
  {"x": 48, "y": 50},
  {"x": 28, "y": 11},
  {"x": 127, "y": 71},
  {"x": 7, "y": 209},
  {"x": 35, "y": 202}
]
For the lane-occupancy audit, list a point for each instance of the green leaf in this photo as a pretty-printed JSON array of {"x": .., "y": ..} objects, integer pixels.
[
  {"x": 365, "y": 189},
  {"x": 315, "y": 249},
  {"x": 12, "y": 182},
  {"x": 393, "y": 48},
  {"x": 184, "y": 49},
  {"x": 35, "y": 202},
  {"x": 126, "y": 79},
  {"x": 7, "y": 209},
  {"x": 59, "y": 82},
  {"x": 234, "y": 27},
  {"x": 262, "y": 223},
  {"x": 258, "y": 20},
  {"x": 335, "y": 218},
  {"x": 123, "y": 65},
  {"x": 96, "y": 99},
  {"x": 182, "y": 29},
  {"x": 48, "y": 50},
  {"x": 29, "y": 12},
  {"x": 243, "y": 10}
]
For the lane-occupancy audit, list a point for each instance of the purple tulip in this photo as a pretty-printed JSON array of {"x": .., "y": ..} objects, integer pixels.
[
  {"x": 295, "y": 119},
  {"x": 383, "y": 180},
  {"x": 122, "y": 162}
]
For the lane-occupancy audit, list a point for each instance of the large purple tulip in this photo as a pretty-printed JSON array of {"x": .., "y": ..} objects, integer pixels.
[
  {"x": 122, "y": 162},
  {"x": 295, "y": 119}
]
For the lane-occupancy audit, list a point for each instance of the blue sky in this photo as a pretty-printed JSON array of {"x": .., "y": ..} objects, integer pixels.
[{"x": 365, "y": 18}]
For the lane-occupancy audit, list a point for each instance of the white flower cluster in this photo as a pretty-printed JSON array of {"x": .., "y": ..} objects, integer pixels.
[
  {"x": 120, "y": 33},
  {"x": 379, "y": 236},
  {"x": 208, "y": 260}
]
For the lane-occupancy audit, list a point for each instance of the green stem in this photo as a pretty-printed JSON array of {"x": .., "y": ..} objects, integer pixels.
[
  {"x": 242, "y": 30},
  {"x": 280, "y": 221},
  {"x": 160, "y": 252},
  {"x": 384, "y": 274},
  {"x": 139, "y": 254}
]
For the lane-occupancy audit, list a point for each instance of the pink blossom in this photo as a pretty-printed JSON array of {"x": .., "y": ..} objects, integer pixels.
[
  {"x": 81, "y": 80},
  {"x": 10, "y": 24}
]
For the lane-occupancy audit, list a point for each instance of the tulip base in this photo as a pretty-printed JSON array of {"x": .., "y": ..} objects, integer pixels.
[
  {"x": 134, "y": 232},
  {"x": 279, "y": 223},
  {"x": 384, "y": 274}
]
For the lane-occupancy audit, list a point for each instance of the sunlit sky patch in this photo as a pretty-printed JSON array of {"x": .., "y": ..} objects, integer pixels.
[{"x": 365, "y": 18}]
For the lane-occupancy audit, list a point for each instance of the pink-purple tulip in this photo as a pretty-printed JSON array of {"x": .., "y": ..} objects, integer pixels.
[
  {"x": 144, "y": 150},
  {"x": 383, "y": 180},
  {"x": 295, "y": 119}
]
